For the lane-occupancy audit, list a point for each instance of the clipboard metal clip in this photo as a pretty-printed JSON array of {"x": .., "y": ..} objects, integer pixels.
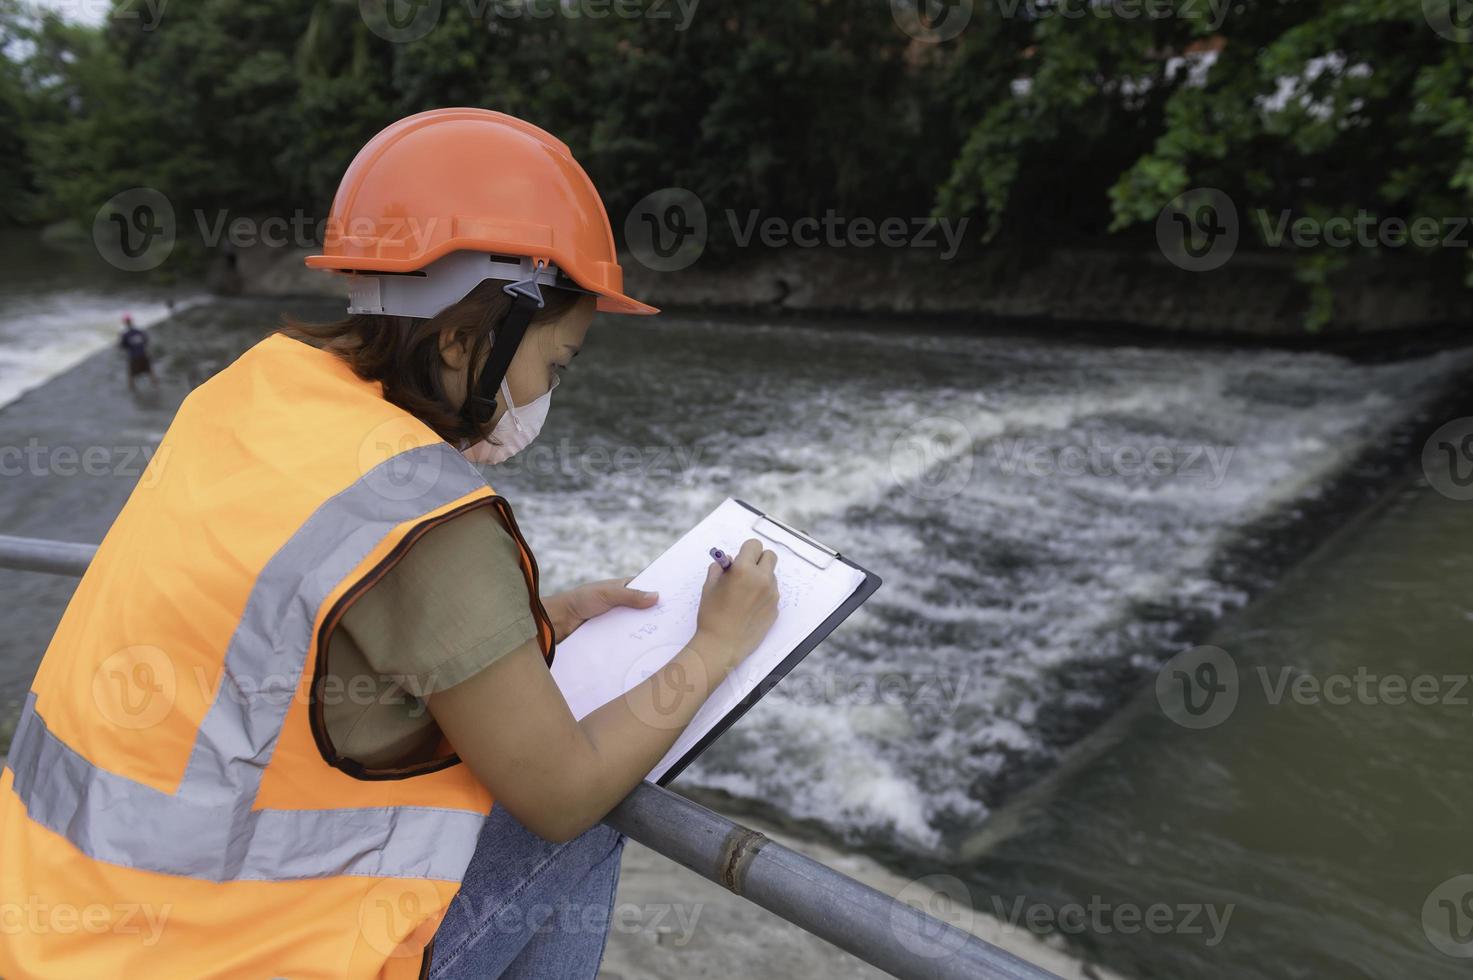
[{"x": 805, "y": 546}]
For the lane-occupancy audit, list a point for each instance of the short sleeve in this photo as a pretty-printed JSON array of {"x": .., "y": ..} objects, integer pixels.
[{"x": 453, "y": 605}]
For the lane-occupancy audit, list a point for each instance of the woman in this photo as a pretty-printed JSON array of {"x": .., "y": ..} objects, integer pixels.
[{"x": 243, "y": 749}]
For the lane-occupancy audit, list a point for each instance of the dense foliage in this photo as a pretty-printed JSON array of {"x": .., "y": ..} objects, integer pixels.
[{"x": 1049, "y": 121}]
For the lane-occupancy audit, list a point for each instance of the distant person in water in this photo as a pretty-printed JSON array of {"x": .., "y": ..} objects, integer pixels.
[{"x": 135, "y": 343}]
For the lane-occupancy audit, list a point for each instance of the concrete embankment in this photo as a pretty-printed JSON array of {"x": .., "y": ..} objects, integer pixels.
[{"x": 1253, "y": 296}]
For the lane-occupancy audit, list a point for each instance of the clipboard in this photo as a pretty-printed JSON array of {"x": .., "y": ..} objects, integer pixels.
[
  {"x": 783, "y": 534},
  {"x": 626, "y": 645}
]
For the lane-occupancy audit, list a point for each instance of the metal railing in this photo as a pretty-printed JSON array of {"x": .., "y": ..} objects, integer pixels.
[{"x": 863, "y": 921}]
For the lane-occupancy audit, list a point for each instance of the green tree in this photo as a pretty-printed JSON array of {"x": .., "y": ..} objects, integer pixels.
[
  {"x": 1314, "y": 110},
  {"x": 17, "y": 182}
]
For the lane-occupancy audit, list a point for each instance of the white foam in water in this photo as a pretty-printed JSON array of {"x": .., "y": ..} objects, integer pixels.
[
  {"x": 45, "y": 334},
  {"x": 1001, "y": 597}
]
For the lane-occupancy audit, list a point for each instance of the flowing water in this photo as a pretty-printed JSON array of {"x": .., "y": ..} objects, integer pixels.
[
  {"x": 1053, "y": 519},
  {"x": 58, "y": 306},
  {"x": 1320, "y": 819}
]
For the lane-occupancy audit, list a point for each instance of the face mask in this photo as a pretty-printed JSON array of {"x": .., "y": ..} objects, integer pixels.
[{"x": 515, "y": 430}]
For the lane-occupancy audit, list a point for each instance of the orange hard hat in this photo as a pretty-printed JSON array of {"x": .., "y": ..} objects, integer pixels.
[{"x": 469, "y": 180}]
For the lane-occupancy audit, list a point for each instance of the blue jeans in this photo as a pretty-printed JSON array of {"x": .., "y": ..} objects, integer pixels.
[{"x": 528, "y": 908}]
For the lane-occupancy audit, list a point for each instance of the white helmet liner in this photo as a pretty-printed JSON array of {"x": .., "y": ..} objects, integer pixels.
[{"x": 443, "y": 283}]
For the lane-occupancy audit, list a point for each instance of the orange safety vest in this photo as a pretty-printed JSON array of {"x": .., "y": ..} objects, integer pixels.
[{"x": 172, "y": 805}]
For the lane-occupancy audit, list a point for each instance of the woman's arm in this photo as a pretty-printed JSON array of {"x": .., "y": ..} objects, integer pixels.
[{"x": 558, "y": 776}]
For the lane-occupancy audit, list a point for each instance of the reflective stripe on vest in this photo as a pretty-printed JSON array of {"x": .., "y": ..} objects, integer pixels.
[
  {"x": 111, "y": 818},
  {"x": 208, "y": 827}
]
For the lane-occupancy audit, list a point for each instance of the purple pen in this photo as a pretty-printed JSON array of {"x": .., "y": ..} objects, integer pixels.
[{"x": 720, "y": 558}]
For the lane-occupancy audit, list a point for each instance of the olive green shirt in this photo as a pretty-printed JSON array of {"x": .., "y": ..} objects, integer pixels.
[{"x": 452, "y": 606}]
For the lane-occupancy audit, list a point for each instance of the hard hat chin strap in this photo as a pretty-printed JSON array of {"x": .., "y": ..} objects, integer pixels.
[{"x": 480, "y": 402}]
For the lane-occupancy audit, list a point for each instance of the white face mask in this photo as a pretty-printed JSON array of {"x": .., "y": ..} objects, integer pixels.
[{"x": 515, "y": 430}]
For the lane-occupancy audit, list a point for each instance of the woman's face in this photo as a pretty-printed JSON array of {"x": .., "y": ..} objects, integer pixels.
[{"x": 545, "y": 352}]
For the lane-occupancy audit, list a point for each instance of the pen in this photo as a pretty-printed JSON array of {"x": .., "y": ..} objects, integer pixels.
[{"x": 720, "y": 558}]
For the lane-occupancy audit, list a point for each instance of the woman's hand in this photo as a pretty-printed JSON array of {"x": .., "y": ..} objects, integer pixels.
[
  {"x": 571, "y": 609},
  {"x": 739, "y": 605}
]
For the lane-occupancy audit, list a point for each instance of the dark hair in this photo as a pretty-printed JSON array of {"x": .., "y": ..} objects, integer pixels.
[{"x": 403, "y": 353}]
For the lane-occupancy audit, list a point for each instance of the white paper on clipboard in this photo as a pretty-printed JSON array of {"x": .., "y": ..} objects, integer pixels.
[{"x": 622, "y": 648}]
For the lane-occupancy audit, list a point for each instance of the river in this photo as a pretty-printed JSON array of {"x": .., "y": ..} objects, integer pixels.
[
  {"x": 1323, "y": 812},
  {"x": 1054, "y": 518}
]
